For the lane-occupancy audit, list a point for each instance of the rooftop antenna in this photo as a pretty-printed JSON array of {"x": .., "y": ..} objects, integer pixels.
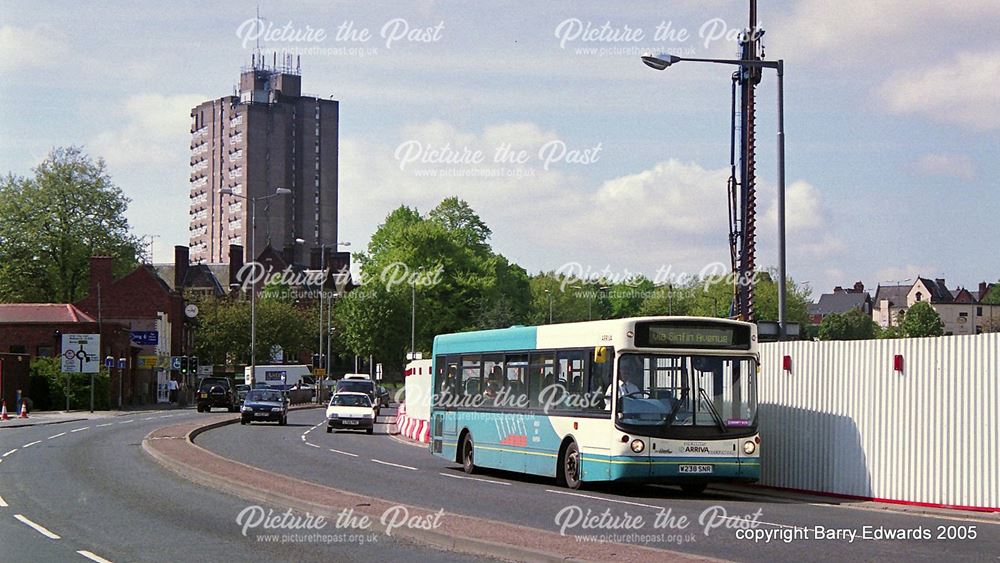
[{"x": 257, "y": 25}]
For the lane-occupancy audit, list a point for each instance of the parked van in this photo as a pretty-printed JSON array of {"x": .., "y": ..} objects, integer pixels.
[{"x": 279, "y": 376}]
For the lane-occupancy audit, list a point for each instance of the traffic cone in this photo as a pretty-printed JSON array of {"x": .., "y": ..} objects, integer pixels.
[
  {"x": 24, "y": 410},
  {"x": 3, "y": 415}
]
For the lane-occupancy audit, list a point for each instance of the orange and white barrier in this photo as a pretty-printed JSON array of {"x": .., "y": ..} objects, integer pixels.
[
  {"x": 24, "y": 410},
  {"x": 414, "y": 429},
  {"x": 4, "y": 416}
]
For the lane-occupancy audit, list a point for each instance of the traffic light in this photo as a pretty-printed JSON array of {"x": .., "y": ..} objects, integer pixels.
[
  {"x": 315, "y": 361},
  {"x": 184, "y": 365},
  {"x": 193, "y": 365}
]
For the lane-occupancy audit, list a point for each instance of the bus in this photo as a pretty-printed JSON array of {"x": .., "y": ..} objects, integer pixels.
[{"x": 652, "y": 399}]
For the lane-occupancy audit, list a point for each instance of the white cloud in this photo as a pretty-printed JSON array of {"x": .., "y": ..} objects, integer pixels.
[
  {"x": 151, "y": 129},
  {"x": 962, "y": 91},
  {"x": 861, "y": 31},
  {"x": 954, "y": 165},
  {"x": 36, "y": 47}
]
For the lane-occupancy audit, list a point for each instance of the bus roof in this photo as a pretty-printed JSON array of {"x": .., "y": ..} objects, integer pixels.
[{"x": 611, "y": 332}]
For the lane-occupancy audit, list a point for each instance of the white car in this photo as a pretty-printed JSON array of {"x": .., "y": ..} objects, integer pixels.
[{"x": 350, "y": 411}]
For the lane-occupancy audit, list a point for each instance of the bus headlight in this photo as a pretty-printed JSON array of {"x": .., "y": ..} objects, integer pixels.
[
  {"x": 638, "y": 446},
  {"x": 749, "y": 447}
]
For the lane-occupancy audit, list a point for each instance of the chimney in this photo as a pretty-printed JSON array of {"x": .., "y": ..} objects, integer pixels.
[
  {"x": 982, "y": 290},
  {"x": 838, "y": 289},
  {"x": 235, "y": 263},
  {"x": 181, "y": 263},
  {"x": 100, "y": 274},
  {"x": 859, "y": 287}
]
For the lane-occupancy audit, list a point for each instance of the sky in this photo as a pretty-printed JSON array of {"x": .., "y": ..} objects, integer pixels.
[{"x": 541, "y": 115}]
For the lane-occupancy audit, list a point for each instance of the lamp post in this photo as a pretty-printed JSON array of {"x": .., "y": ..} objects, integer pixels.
[
  {"x": 329, "y": 321},
  {"x": 663, "y": 61},
  {"x": 253, "y": 256},
  {"x": 549, "y": 293}
]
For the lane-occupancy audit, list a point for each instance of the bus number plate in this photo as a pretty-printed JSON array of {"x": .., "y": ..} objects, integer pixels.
[{"x": 695, "y": 469}]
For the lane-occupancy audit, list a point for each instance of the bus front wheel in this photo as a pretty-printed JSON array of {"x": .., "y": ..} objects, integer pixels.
[
  {"x": 568, "y": 473},
  {"x": 468, "y": 460}
]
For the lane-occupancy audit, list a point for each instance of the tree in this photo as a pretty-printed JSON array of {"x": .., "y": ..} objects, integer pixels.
[
  {"x": 52, "y": 223},
  {"x": 922, "y": 320},
  {"x": 442, "y": 259},
  {"x": 222, "y": 335},
  {"x": 852, "y": 325},
  {"x": 992, "y": 296}
]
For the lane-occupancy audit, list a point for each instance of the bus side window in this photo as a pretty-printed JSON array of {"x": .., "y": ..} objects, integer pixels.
[
  {"x": 439, "y": 373},
  {"x": 492, "y": 378},
  {"x": 471, "y": 376},
  {"x": 516, "y": 380},
  {"x": 571, "y": 375},
  {"x": 598, "y": 380},
  {"x": 541, "y": 373}
]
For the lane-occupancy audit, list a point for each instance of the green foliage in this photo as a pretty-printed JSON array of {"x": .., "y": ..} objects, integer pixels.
[
  {"x": 992, "y": 297},
  {"x": 921, "y": 320},
  {"x": 52, "y": 223},
  {"x": 852, "y": 325},
  {"x": 44, "y": 372},
  {"x": 446, "y": 261},
  {"x": 222, "y": 335}
]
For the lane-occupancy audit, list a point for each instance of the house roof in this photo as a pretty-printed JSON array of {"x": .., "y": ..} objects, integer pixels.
[
  {"x": 896, "y": 294},
  {"x": 199, "y": 276},
  {"x": 939, "y": 292},
  {"x": 43, "y": 313},
  {"x": 839, "y": 302}
]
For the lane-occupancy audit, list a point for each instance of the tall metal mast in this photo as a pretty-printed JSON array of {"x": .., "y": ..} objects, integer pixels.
[{"x": 744, "y": 237}]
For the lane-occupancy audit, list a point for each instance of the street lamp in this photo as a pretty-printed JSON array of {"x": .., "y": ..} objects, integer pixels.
[
  {"x": 253, "y": 256},
  {"x": 329, "y": 321},
  {"x": 663, "y": 61},
  {"x": 549, "y": 293}
]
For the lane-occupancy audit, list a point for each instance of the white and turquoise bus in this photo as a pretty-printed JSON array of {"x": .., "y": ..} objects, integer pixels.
[{"x": 654, "y": 399}]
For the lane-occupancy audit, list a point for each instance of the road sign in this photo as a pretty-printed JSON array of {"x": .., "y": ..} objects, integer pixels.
[
  {"x": 81, "y": 353},
  {"x": 145, "y": 337},
  {"x": 378, "y": 372},
  {"x": 319, "y": 371},
  {"x": 146, "y": 362},
  {"x": 121, "y": 363},
  {"x": 191, "y": 311},
  {"x": 175, "y": 363},
  {"x": 109, "y": 362},
  {"x": 205, "y": 369}
]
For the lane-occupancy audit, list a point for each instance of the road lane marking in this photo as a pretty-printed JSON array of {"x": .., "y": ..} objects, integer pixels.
[
  {"x": 150, "y": 418},
  {"x": 29, "y": 444},
  {"x": 126, "y": 421},
  {"x": 36, "y": 527},
  {"x": 394, "y": 464},
  {"x": 79, "y": 429},
  {"x": 93, "y": 556},
  {"x": 10, "y": 452},
  {"x": 313, "y": 445},
  {"x": 602, "y": 498},
  {"x": 474, "y": 479},
  {"x": 345, "y": 453},
  {"x": 105, "y": 424},
  {"x": 57, "y": 435},
  {"x": 303, "y": 437},
  {"x": 167, "y": 416},
  {"x": 3, "y": 503}
]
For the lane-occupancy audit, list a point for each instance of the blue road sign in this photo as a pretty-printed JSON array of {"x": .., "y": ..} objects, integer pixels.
[
  {"x": 121, "y": 363},
  {"x": 109, "y": 362},
  {"x": 145, "y": 337}
]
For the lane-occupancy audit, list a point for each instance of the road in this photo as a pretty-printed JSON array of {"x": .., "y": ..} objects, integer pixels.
[
  {"x": 385, "y": 467},
  {"x": 86, "y": 490}
]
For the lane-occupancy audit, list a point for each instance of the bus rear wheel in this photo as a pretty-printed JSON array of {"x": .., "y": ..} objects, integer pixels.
[
  {"x": 468, "y": 459},
  {"x": 568, "y": 472}
]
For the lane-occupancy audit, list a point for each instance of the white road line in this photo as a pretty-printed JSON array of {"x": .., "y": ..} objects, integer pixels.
[
  {"x": 150, "y": 418},
  {"x": 80, "y": 429},
  {"x": 57, "y": 435},
  {"x": 303, "y": 437},
  {"x": 93, "y": 556},
  {"x": 602, "y": 498},
  {"x": 10, "y": 452},
  {"x": 37, "y": 527},
  {"x": 394, "y": 464},
  {"x": 474, "y": 479},
  {"x": 3, "y": 503},
  {"x": 345, "y": 453},
  {"x": 313, "y": 445},
  {"x": 127, "y": 421},
  {"x": 167, "y": 416},
  {"x": 29, "y": 444},
  {"x": 105, "y": 424}
]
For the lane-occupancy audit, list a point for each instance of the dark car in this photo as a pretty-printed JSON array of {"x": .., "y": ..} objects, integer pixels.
[
  {"x": 241, "y": 391},
  {"x": 262, "y": 405},
  {"x": 357, "y": 385},
  {"x": 215, "y": 392}
]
